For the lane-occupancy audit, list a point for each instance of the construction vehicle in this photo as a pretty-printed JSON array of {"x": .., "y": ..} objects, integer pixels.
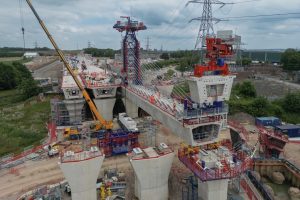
[
  {"x": 101, "y": 123},
  {"x": 72, "y": 133}
]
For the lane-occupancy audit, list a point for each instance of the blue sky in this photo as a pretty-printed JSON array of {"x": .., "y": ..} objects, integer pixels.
[{"x": 75, "y": 22}]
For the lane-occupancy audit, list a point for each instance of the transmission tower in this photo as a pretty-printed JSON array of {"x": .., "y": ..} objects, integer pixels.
[{"x": 206, "y": 26}]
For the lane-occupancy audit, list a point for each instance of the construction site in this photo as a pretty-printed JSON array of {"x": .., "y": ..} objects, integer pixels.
[{"x": 124, "y": 128}]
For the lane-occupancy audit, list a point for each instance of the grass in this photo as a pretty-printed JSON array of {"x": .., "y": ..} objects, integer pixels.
[
  {"x": 181, "y": 89},
  {"x": 9, "y": 61},
  {"x": 22, "y": 123}
]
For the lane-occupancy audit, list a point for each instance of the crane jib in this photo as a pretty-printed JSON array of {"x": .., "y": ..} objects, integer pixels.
[{"x": 102, "y": 122}]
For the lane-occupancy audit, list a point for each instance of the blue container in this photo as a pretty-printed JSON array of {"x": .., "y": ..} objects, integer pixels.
[
  {"x": 267, "y": 121},
  {"x": 220, "y": 62},
  {"x": 291, "y": 130}
]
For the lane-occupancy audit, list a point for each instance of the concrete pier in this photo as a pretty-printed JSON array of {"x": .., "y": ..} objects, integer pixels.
[
  {"x": 81, "y": 171},
  {"x": 107, "y": 92},
  {"x": 131, "y": 108},
  {"x": 151, "y": 175},
  {"x": 213, "y": 190},
  {"x": 105, "y": 107},
  {"x": 74, "y": 108}
]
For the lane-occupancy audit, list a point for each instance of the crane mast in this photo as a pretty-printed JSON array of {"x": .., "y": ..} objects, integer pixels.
[{"x": 102, "y": 122}]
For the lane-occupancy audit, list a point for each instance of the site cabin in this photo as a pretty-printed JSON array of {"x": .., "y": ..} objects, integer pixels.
[{"x": 30, "y": 54}]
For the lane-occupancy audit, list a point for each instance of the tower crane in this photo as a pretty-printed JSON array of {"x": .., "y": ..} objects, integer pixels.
[{"x": 101, "y": 122}]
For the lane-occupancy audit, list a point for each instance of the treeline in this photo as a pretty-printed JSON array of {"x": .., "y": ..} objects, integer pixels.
[
  {"x": 19, "y": 52},
  {"x": 101, "y": 52},
  {"x": 17, "y": 76},
  {"x": 244, "y": 99},
  {"x": 14, "y": 49},
  {"x": 291, "y": 59},
  {"x": 10, "y": 54}
]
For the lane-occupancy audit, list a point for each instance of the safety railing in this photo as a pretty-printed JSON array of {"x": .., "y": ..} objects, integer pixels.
[
  {"x": 80, "y": 156},
  {"x": 205, "y": 174}
]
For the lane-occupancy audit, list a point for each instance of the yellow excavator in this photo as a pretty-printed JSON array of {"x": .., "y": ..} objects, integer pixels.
[{"x": 101, "y": 123}]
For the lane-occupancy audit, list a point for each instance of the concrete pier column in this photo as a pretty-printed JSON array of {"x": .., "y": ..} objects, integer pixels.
[
  {"x": 82, "y": 176},
  {"x": 131, "y": 108},
  {"x": 213, "y": 190},
  {"x": 105, "y": 107},
  {"x": 74, "y": 107},
  {"x": 151, "y": 177}
]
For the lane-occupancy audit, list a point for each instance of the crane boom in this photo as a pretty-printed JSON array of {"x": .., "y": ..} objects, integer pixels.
[{"x": 103, "y": 123}]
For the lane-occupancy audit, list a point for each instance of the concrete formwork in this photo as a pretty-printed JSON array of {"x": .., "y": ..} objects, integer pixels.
[
  {"x": 105, "y": 107},
  {"x": 151, "y": 177},
  {"x": 108, "y": 92},
  {"x": 183, "y": 131},
  {"x": 74, "y": 108},
  {"x": 213, "y": 190},
  {"x": 82, "y": 177},
  {"x": 290, "y": 171},
  {"x": 208, "y": 89}
]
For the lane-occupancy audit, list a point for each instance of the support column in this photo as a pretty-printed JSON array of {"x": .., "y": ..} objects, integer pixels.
[
  {"x": 131, "y": 108},
  {"x": 151, "y": 177},
  {"x": 81, "y": 172},
  {"x": 74, "y": 108},
  {"x": 213, "y": 190},
  {"x": 105, "y": 107}
]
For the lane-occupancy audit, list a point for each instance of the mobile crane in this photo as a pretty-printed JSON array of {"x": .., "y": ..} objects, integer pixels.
[{"x": 101, "y": 122}]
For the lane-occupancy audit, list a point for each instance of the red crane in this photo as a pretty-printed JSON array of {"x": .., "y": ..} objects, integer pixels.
[{"x": 216, "y": 51}]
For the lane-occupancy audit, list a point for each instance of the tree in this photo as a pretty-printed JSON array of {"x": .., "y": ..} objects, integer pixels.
[
  {"x": 169, "y": 74},
  {"x": 29, "y": 88},
  {"x": 246, "y": 89},
  {"x": 165, "y": 56},
  {"x": 21, "y": 72},
  {"x": 7, "y": 77},
  {"x": 291, "y": 59},
  {"x": 291, "y": 102},
  {"x": 259, "y": 107},
  {"x": 244, "y": 61},
  {"x": 100, "y": 52}
]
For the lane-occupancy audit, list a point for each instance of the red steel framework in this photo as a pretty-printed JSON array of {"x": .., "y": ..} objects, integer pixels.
[
  {"x": 272, "y": 142},
  {"x": 131, "y": 49},
  {"x": 112, "y": 143},
  {"x": 240, "y": 129},
  {"x": 216, "y": 51},
  {"x": 189, "y": 157}
]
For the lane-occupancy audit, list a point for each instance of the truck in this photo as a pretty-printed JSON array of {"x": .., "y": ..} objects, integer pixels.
[{"x": 127, "y": 123}]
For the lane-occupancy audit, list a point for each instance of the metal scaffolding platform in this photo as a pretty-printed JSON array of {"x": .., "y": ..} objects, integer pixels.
[{"x": 60, "y": 114}]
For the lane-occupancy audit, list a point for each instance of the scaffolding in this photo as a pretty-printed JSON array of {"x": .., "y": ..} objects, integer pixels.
[
  {"x": 117, "y": 142},
  {"x": 60, "y": 115},
  {"x": 272, "y": 143}
]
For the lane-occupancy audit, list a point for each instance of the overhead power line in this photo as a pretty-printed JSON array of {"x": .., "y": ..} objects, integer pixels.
[{"x": 263, "y": 15}]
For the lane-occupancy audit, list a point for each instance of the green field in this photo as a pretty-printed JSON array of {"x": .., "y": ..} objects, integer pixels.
[
  {"x": 10, "y": 60},
  {"x": 22, "y": 123}
]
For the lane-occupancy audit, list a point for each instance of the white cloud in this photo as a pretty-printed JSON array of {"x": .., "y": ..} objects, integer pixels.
[{"x": 75, "y": 22}]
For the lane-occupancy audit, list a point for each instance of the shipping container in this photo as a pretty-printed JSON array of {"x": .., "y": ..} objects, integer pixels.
[
  {"x": 290, "y": 129},
  {"x": 267, "y": 121}
]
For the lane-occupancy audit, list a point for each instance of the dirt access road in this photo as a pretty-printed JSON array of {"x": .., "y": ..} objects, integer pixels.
[{"x": 32, "y": 174}]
